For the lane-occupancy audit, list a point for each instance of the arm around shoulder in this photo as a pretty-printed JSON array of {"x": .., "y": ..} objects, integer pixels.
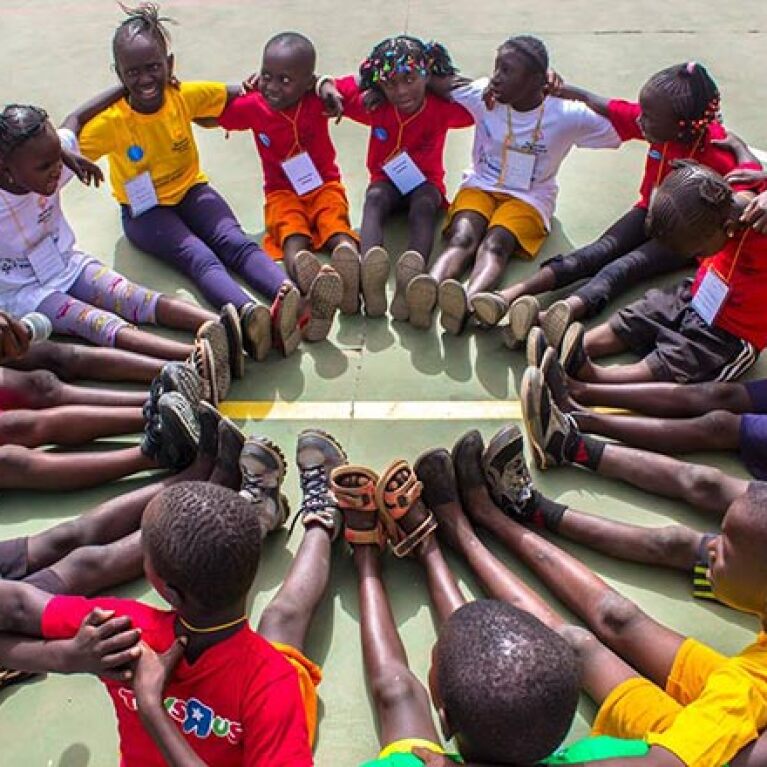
[
  {"x": 77, "y": 119},
  {"x": 598, "y": 104}
]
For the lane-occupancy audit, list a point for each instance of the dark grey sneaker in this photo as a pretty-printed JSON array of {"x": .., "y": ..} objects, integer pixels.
[
  {"x": 180, "y": 377},
  {"x": 172, "y": 436},
  {"x": 317, "y": 454},
  {"x": 467, "y": 462},
  {"x": 506, "y": 472},
  {"x": 435, "y": 469},
  {"x": 209, "y": 419},
  {"x": 262, "y": 466}
]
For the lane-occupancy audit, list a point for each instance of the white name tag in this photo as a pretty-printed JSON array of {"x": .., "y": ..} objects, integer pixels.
[
  {"x": 46, "y": 261},
  {"x": 403, "y": 173},
  {"x": 302, "y": 173},
  {"x": 711, "y": 295},
  {"x": 141, "y": 194},
  {"x": 519, "y": 169}
]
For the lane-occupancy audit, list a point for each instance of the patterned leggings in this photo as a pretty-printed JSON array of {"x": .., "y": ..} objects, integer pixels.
[{"x": 99, "y": 304}]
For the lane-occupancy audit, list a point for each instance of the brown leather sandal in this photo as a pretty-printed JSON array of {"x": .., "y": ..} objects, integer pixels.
[{"x": 358, "y": 498}]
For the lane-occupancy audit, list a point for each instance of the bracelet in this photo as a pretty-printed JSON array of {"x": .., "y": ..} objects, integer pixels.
[{"x": 320, "y": 82}]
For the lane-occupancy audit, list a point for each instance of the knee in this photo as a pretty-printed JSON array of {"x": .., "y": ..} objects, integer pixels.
[
  {"x": 721, "y": 396},
  {"x": 616, "y": 615},
  {"x": 15, "y": 461},
  {"x": 423, "y": 206},
  {"x": 44, "y": 387},
  {"x": 62, "y": 360},
  {"x": 718, "y": 423},
  {"x": 581, "y": 640},
  {"x": 376, "y": 200},
  {"x": 672, "y": 544},
  {"x": 17, "y": 428},
  {"x": 464, "y": 239},
  {"x": 700, "y": 483},
  {"x": 278, "y": 613},
  {"x": 396, "y": 690}
]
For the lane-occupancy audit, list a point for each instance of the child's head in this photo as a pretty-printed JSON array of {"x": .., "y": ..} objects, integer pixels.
[
  {"x": 399, "y": 67},
  {"x": 678, "y": 103},
  {"x": 692, "y": 211},
  {"x": 520, "y": 70},
  {"x": 30, "y": 150},
  {"x": 202, "y": 544},
  {"x": 287, "y": 69},
  {"x": 737, "y": 561},
  {"x": 142, "y": 61},
  {"x": 506, "y": 686}
]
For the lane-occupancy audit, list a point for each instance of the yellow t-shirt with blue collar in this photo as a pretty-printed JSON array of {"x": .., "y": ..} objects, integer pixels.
[{"x": 161, "y": 143}]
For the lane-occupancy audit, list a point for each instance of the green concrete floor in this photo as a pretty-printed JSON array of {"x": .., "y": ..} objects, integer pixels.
[{"x": 57, "y": 54}]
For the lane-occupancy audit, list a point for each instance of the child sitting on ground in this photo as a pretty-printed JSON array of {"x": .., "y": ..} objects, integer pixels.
[
  {"x": 678, "y": 115},
  {"x": 507, "y": 198},
  {"x": 305, "y": 207},
  {"x": 711, "y": 328},
  {"x": 408, "y": 128}
]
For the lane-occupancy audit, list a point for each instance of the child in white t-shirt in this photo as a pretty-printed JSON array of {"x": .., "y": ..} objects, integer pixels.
[{"x": 507, "y": 197}]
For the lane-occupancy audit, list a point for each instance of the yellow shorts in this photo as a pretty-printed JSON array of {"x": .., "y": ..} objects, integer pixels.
[
  {"x": 638, "y": 706},
  {"x": 406, "y": 745},
  {"x": 309, "y": 676},
  {"x": 318, "y": 215},
  {"x": 499, "y": 209}
]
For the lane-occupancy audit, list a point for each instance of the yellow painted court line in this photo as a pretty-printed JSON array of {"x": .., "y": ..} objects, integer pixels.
[{"x": 369, "y": 410}]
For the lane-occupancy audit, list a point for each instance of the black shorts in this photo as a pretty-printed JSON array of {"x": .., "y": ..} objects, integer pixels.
[{"x": 676, "y": 343}]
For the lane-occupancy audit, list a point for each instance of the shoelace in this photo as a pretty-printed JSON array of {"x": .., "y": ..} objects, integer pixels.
[
  {"x": 317, "y": 498},
  {"x": 521, "y": 488},
  {"x": 253, "y": 485}
]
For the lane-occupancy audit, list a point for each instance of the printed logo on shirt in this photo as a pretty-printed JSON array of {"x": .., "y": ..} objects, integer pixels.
[
  {"x": 194, "y": 717},
  {"x": 181, "y": 145},
  {"x": 381, "y": 133},
  {"x": 264, "y": 139},
  {"x": 654, "y": 154}
]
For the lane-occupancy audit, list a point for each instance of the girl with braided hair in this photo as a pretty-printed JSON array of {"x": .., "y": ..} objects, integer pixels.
[
  {"x": 408, "y": 128},
  {"x": 678, "y": 115},
  {"x": 710, "y": 328}
]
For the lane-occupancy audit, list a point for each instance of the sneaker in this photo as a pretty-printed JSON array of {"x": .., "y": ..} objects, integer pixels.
[
  {"x": 573, "y": 355},
  {"x": 410, "y": 265},
  {"x": 506, "y": 473},
  {"x": 204, "y": 365},
  {"x": 324, "y": 299},
  {"x": 421, "y": 298},
  {"x": 523, "y": 315},
  {"x": 556, "y": 321},
  {"x": 263, "y": 470},
  {"x": 489, "y": 308},
  {"x": 183, "y": 378},
  {"x": 209, "y": 419},
  {"x": 317, "y": 454},
  {"x": 556, "y": 380},
  {"x": 536, "y": 347},
  {"x": 230, "y": 443},
  {"x": 214, "y": 333},
  {"x": 467, "y": 462},
  {"x": 435, "y": 469},
  {"x": 307, "y": 267},
  {"x": 284, "y": 313},
  {"x": 256, "y": 330},
  {"x": 171, "y": 438},
  {"x": 346, "y": 261},
  {"x": 550, "y": 431},
  {"x": 373, "y": 278},
  {"x": 454, "y": 305},
  {"x": 231, "y": 322}
]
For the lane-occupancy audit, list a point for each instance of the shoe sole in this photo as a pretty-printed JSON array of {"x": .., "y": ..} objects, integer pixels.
[
  {"x": 409, "y": 266},
  {"x": 258, "y": 328},
  {"x": 215, "y": 334},
  {"x": 207, "y": 413},
  {"x": 307, "y": 267},
  {"x": 572, "y": 343},
  {"x": 536, "y": 347},
  {"x": 230, "y": 319},
  {"x": 183, "y": 379},
  {"x": 326, "y": 436},
  {"x": 324, "y": 299},
  {"x": 454, "y": 307},
  {"x": 276, "y": 452},
  {"x": 180, "y": 429},
  {"x": 288, "y": 332},
  {"x": 530, "y": 397},
  {"x": 488, "y": 309},
  {"x": 205, "y": 365},
  {"x": 555, "y": 322},
  {"x": 421, "y": 296},
  {"x": 373, "y": 278},
  {"x": 346, "y": 261},
  {"x": 523, "y": 315},
  {"x": 499, "y": 442}
]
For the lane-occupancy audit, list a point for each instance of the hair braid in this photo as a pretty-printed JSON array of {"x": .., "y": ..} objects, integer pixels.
[{"x": 18, "y": 123}]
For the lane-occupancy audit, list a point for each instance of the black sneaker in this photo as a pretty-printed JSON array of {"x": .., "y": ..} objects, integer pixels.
[
  {"x": 263, "y": 471},
  {"x": 317, "y": 454},
  {"x": 171, "y": 438},
  {"x": 556, "y": 380},
  {"x": 573, "y": 355},
  {"x": 209, "y": 419},
  {"x": 435, "y": 469},
  {"x": 174, "y": 376},
  {"x": 551, "y": 432},
  {"x": 506, "y": 473},
  {"x": 230, "y": 319},
  {"x": 467, "y": 462}
]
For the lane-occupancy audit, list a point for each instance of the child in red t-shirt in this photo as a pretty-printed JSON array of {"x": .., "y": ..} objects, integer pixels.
[
  {"x": 306, "y": 207},
  {"x": 405, "y": 156},
  {"x": 678, "y": 115},
  {"x": 710, "y": 328}
]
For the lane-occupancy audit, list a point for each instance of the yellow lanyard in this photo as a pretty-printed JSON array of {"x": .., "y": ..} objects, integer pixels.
[
  {"x": 734, "y": 260},
  {"x": 19, "y": 226},
  {"x": 296, "y": 148},
  {"x": 508, "y": 141},
  {"x": 211, "y": 629},
  {"x": 401, "y": 125},
  {"x": 663, "y": 158}
]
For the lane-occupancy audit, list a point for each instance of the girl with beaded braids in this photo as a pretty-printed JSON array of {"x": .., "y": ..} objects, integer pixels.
[
  {"x": 710, "y": 328},
  {"x": 408, "y": 128},
  {"x": 678, "y": 115}
]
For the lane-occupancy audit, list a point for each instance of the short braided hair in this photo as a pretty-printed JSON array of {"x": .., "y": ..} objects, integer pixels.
[
  {"x": 18, "y": 124},
  {"x": 143, "y": 19},
  {"x": 532, "y": 50}
]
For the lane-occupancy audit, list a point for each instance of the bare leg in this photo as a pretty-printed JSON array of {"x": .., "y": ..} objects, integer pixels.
[
  {"x": 140, "y": 341},
  {"x": 380, "y": 199},
  {"x": 292, "y": 245},
  {"x": 540, "y": 282},
  {"x": 22, "y": 468},
  {"x": 72, "y": 362},
  {"x": 493, "y": 255},
  {"x": 182, "y": 315},
  {"x": 67, "y": 425},
  {"x": 466, "y": 232},
  {"x": 602, "y": 341},
  {"x": 423, "y": 207},
  {"x": 445, "y": 594}
]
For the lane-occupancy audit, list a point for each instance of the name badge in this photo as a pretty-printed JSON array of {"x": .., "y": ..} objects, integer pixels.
[
  {"x": 519, "y": 169},
  {"x": 711, "y": 295},
  {"x": 302, "y": 173},
  {"x": 403, "y": 173},
  {"x": 141, "y": 194},
  {"x": 46, "y": 260}
]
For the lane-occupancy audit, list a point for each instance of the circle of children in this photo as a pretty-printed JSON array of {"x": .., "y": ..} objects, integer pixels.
[{"x": 195, "y": 684}]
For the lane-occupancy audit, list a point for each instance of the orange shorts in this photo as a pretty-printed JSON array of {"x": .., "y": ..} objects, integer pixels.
[
  {"x": 309, "y": 676},
  {"x": 318, "y": 215}
]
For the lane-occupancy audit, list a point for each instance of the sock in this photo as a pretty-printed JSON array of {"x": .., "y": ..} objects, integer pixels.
[
  {"x": 585, "y": 451},
  {"x": 545, "y": 512}
]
